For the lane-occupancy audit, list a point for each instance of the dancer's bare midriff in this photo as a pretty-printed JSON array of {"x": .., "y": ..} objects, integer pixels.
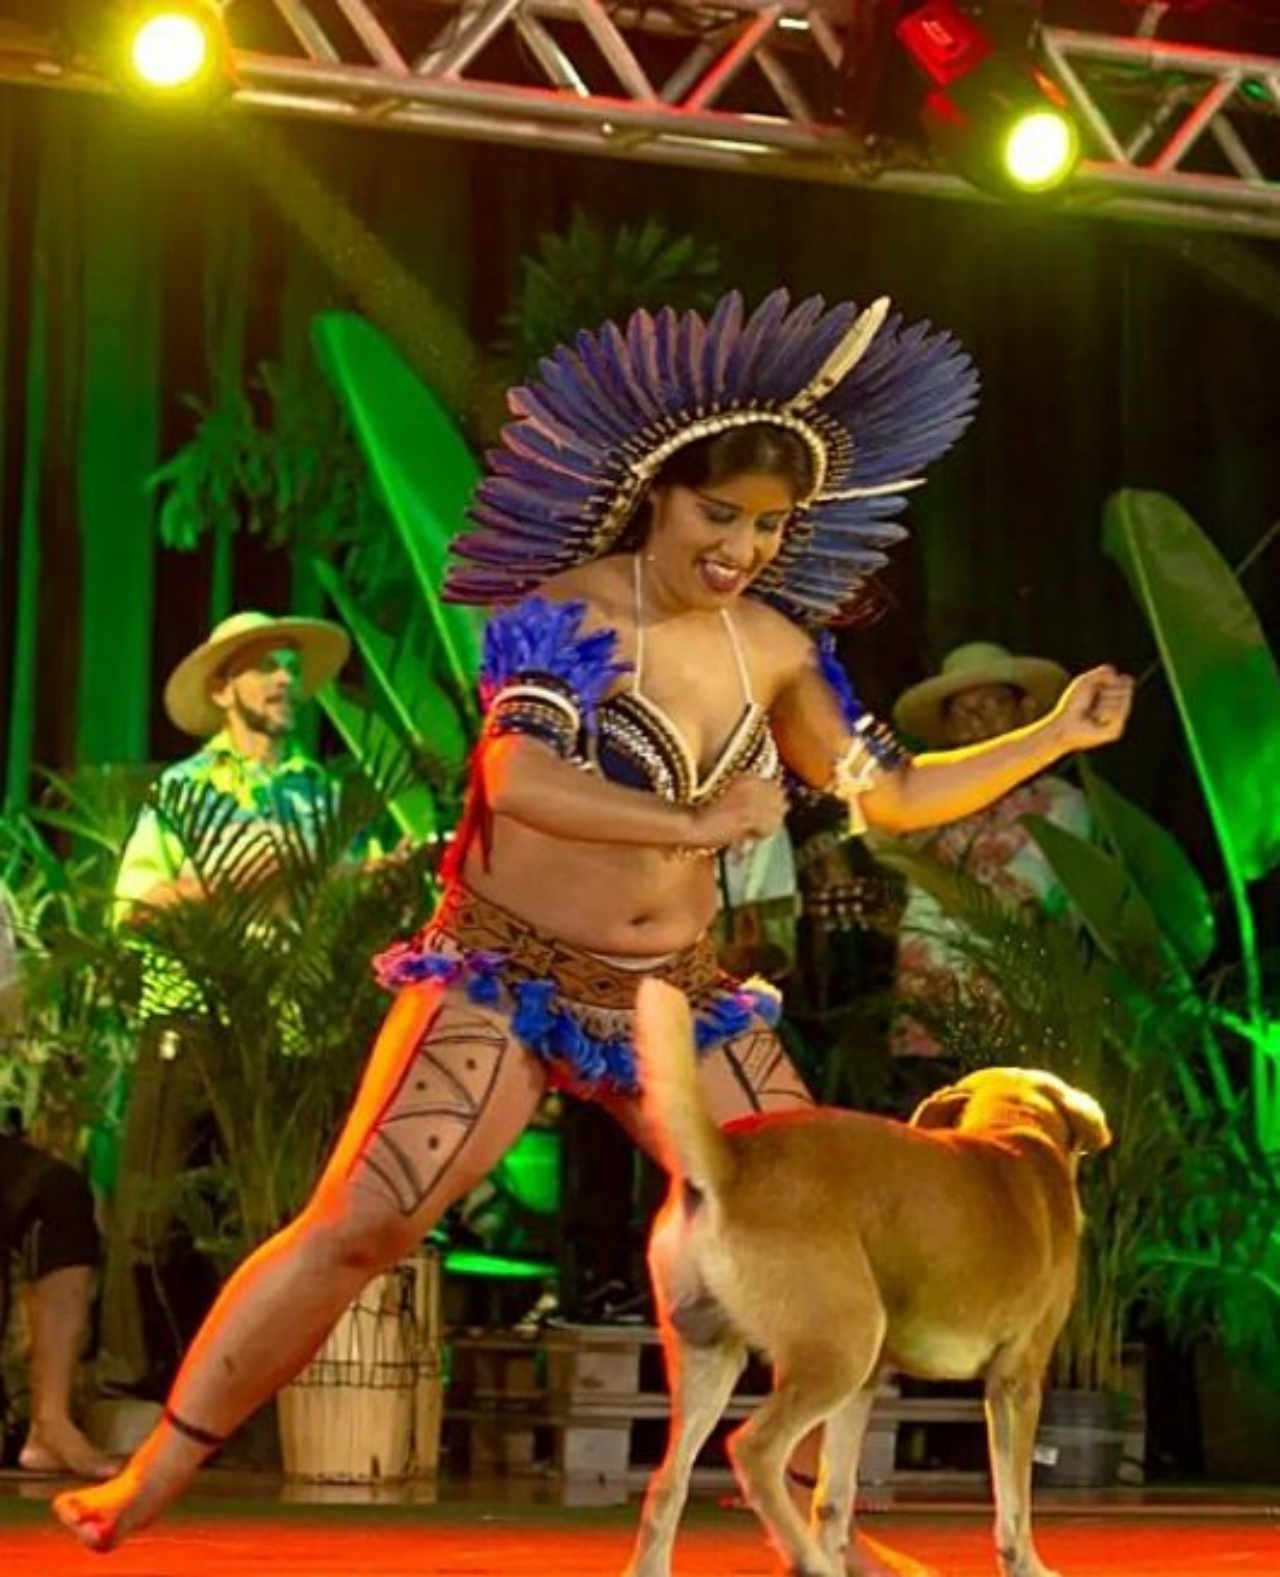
[{"x": 607, "y": 898}]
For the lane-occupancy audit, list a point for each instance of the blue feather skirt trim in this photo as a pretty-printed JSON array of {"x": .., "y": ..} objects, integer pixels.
[{"x": 572, "y": 1009}]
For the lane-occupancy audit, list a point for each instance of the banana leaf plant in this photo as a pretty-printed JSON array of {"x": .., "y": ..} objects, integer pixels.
[
  {"x": 1220, "y": 1251},
  {"x": 1211, "y": 1246},
  {"x": 419, "y": 655},
  {"x": 1225, "y": 682},
  {"x": 423, "y": 467}
]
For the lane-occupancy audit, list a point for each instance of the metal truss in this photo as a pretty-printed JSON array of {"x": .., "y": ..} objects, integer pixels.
[{"x": 1175, "y": 134}]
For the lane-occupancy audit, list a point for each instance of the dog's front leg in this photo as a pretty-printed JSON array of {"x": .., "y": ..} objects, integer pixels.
[
  {"x": 1013, "y": 1414},
  {"x": 701, "y": 1380}
]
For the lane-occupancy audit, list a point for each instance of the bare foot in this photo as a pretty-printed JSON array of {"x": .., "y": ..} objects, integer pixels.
[
  {"x": 61, "y": 1448},
  {"x": 104, "y": 1516},
  {"x": 161, "y": 1468}
]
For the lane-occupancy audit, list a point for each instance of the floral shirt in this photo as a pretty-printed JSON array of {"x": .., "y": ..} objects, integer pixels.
[
  {"x": 295, "y": 789},
  {"x": 993, "y": 847}
]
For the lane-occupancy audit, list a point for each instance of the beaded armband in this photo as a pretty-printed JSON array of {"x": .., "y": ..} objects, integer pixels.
[
  {"x": 873, "y": 750},
  {"x": 856, "y": 771},
  {"x": 538, "y": 708}
]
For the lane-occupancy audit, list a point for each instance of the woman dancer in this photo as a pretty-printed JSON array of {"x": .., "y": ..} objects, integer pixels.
[{"x": 676, "y": 506}]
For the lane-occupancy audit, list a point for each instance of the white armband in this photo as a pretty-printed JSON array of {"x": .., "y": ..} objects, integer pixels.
[{"x": 853, "y": 774}]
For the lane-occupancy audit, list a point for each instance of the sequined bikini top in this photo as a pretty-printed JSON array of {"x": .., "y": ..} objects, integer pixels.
[
  {"x": 638, "y": 745},
  {"x": 545, "y": 676}
]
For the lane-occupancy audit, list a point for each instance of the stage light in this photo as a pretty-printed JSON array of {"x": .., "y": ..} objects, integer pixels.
[
  {"x": 998, "y": 121},
  {"x": 170, "y": 51},
  {"x": 1040, "y": 150},
  {"x": 175, "y": 48}
]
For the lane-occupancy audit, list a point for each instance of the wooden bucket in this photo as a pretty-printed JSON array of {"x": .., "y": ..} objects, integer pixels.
[{"x": 367, "y": 1407}]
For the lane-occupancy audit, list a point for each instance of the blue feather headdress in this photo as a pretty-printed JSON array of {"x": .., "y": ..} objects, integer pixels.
[{"x": 872, "y": 400}]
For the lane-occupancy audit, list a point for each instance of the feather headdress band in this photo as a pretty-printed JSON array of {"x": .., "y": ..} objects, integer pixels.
[{"x": 872, "y": 401}]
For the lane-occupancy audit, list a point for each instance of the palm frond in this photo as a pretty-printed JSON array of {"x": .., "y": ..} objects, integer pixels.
[
  {"x": 589, "y": 274},
  {"x": 287, "y": 1002}
]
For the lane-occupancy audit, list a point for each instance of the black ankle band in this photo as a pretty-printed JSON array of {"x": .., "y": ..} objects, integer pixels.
[
  {"x": 802, "y": 1480},
  {"x": 202, "y": 1437}
]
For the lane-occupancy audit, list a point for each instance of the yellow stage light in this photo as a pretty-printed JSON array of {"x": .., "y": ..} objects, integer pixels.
[
  {"x": 1041, "y": 149},
  {"x": 175, "y": 48},
  {"x": 170, "y": 50},
  {"x": 998, "y": 121}
]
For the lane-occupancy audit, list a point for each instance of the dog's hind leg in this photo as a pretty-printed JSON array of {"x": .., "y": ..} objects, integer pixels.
[
  {"x": 1013, "y": 1412},
  {"x": 810, "y": 1387},
  {"x": 701, "y": 1376},
  {"x": 831, "y": 1511}
]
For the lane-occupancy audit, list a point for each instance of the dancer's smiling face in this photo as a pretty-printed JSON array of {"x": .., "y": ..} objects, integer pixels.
[{"x": 706, "y": 544}]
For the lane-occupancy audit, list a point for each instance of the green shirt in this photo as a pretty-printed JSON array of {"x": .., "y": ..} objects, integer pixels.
[{"x": 295, "y": 789}]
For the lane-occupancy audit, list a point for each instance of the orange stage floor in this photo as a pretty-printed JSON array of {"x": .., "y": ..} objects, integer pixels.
[{"x": 234, "y": 1529}]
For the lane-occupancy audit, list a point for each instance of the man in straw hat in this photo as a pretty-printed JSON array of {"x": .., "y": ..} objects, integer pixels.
[
  {"x": 982, "y": 691},
  {"x": 238, "y": 692}
]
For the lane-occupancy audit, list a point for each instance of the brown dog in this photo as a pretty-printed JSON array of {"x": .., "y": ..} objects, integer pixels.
[{"x": 841, "y": 1245}]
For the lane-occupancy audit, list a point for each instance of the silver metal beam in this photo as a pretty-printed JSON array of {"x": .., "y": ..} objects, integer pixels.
[{"x": 1175, "y": 135}]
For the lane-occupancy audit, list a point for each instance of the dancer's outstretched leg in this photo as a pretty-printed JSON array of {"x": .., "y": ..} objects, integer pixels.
[{"x": 447, "y": 1092}]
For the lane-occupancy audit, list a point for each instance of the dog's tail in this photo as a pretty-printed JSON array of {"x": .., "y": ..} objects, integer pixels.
[{"x": 674, "y": 1103}]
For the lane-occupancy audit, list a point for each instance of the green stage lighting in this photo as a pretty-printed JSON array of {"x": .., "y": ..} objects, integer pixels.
[
  {"x": 999, "y": 122},
  {"x": 499, "y": 1267},
  {"x": 175, "y": 48},
  {"x": 1041, "y": 149}
]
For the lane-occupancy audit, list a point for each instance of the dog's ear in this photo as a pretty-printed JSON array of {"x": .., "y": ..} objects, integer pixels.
[
  {"x": 1090, "y": 1131},
  {"x": 943, "y": 1109}
]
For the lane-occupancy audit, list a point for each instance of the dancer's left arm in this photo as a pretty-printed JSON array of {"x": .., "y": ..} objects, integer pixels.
[{"x": 921, "y": 791}]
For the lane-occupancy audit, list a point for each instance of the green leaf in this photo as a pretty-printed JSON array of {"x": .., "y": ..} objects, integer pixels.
[
  {"x": 371, "y": 741},
  {"x": 1218, "y": 664},
  {"x": 402, "y": 685},
  {"x": 422, "y": 464},
  {"x": 1114, "y": 911},
  {"x": 588, "y": 274},
  {"x": 1159, "y": 866}
]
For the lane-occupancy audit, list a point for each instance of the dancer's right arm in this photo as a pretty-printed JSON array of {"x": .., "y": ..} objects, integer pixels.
[{"x": 528, "y": 782}]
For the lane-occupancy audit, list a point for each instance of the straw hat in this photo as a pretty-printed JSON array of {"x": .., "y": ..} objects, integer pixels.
[
  {"x": 919, "y": 710},
  {"x": 322, "y": 649}
]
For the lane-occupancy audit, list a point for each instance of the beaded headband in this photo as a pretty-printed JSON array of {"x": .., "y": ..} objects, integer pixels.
[{"x": 872, "y": 401}]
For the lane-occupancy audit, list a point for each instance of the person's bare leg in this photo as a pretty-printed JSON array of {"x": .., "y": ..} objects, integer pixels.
[
  {"x": 58, "y": 1316},
  {"x": 447, "y": 1092}
]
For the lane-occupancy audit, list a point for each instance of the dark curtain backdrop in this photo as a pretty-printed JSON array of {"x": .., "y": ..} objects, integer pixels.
[{"x": 146, "y": 262}]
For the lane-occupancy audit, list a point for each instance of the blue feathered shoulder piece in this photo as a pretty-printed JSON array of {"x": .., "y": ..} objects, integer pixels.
[
  {"x": 538, "y": 639},
  {"x": 879, "y": 738}
]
